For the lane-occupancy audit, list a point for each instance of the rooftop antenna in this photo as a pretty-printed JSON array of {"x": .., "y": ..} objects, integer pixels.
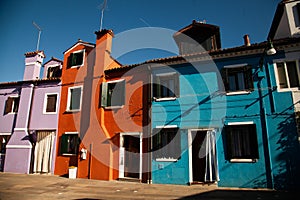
[
  {"x": 40, "y": 30},
  {"x": 102, "y": 12}
]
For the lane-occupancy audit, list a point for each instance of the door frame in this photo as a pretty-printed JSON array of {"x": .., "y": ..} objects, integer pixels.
[
  {"x": 122, "y": 153},
  {"x": 190, "y": 150}
]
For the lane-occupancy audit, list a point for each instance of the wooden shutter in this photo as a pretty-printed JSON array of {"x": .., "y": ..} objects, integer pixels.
[
  {"x": 254, "y": 143},
  {"x": 176, "y": 85},
  {"x": 64, "y": 144},
  {"x": 8, "y": 105},
  {"x": 122, "y": 92},
  {"x": 104, "y": 94},
  {"x": 228, "y": 136},
  {"x": 224, "y": 74},
  {"x": 248, "y": 78},
  {"x": 79, "y": 58},
  {"x": 51, "y": 103}
]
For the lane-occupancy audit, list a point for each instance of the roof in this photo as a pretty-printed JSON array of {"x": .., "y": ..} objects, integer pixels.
[
  {"x": 33, "y": 53},
  {"x": 54, "y": 59},
  {"x": 37, "y": 81},
  {"x": 80, "y": 42},
  {"x": 256, "y": 48},
  {"x": 199, "y": 31}
]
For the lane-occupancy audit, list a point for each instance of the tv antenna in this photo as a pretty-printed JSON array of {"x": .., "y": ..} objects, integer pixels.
[
  {"x": 102, "y": 12},
  {"x": 40, "y": 30}
]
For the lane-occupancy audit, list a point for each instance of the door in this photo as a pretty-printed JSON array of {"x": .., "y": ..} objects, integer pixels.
[
  {"x": 202, "y": 156},
  {"x": 43, "y": 152},
  {"x": 3, "y": 142},
  {"x": 130, "y": 155}
]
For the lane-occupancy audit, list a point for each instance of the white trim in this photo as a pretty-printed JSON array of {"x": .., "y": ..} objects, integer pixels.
[
  {"x": 45, "y": 103},
  {"x": 33, "y": 63},
  {"x": 165, "y": 74},
  {"x": 166, "y": 159},
  {"x": 20, "y": 129},
  {"x": 240, "y": 123},
  {"x": 238, "y": 92},
  {"x": 122, "y": 153},
  {"x": 83, "y": 59},
  {"x": 165, "y": 99},
  {"x": 236, "y": 65},
  {"x": 12, "y": 146},
  {"x": 79, "y": 43},
  {"x": 245, "y": 160},
  {"x": 71, "y": 133},
  {"x": 113, "y": 107},
  {"x": 167, "y": 126},
  {"x": 69, "y": 98},
  {"x": 5, "y": 133},
  {"x": 116, "y": 81}
]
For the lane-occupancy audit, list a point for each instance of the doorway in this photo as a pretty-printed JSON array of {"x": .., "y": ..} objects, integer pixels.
[
  {"x": 130, "y": 159},
  {"x": 202, "y": 156}
]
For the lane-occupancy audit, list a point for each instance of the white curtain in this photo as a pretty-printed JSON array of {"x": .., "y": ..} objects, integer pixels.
[
  {"x": 211, "y": 167},
  {"x": 43, "y": 152}
]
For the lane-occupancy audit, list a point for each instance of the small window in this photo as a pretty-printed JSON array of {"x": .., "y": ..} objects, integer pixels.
[
  {"x": 113, "y": 94},
  {"x": 238, "y": 78},
  {"x": 241, "y": 142},
  {"x": 12, "y": 105},
  {"x": 288, "y": 74},
  {"x": 166, "y": 86},
  {"x": 76, "y": 59},
  {"x": 69, "y": 144},
  {"x": 54, "y": 72},
  {"x": 166, "y": 143},
  {"x": 3, "y": 142},
  {"x": 50, "y": 103},
  {"x": 74, "y": 99}
]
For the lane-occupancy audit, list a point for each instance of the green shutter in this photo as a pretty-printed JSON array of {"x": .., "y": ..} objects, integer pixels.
[
  {"x": 122, "y": 93},
  {"x": 70, "y": 58},
  {"x": 249, "y": 78},
  {"x": 104, "y": 94},
  {"x": 79, "y": 58},
  {"x": 64, "y": 144},
  {"x": 224, "y": 74}
]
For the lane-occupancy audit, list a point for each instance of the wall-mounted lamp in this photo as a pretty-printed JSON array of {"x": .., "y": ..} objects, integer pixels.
[{"x": 270, "y": 50}]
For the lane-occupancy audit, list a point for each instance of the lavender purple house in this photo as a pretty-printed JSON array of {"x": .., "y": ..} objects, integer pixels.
[{"x": 28, "y": 117}]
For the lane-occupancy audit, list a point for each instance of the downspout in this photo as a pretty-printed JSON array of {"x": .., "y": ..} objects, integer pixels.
[
  {"x": 28, "y": 126},
  {"x": 106, "y": 133},
  {"x": 150, "y": 143}
]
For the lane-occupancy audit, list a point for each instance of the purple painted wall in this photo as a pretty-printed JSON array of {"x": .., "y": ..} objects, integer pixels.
[{"x": 7, "y": 120}]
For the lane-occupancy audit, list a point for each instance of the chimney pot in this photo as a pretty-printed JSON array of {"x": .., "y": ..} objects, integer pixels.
[{"x": 247, "y": 40}]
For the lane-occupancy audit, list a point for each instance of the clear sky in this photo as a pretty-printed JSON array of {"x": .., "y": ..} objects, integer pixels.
[{"x": 63, "y": 22}]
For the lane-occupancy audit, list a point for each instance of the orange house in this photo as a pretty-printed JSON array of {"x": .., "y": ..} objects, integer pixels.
[{"x": 101, "y": 129}]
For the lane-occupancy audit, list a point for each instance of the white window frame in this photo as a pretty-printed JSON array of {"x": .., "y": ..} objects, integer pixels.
[
  {"x": 45, "y": 103},
  {"x": 69, "y": 99},
  {"x": 51, "y": 66},
  {"x": 286, "y": 75},
  {"x": 13, "y": 105},
  {"x": 241, "y": 91},
  {"x": 167, "y": 159},
  {"x": 167, "y": 74},
  {"x": 70, "y": 133},
  {"x": 83, "y": 59}
]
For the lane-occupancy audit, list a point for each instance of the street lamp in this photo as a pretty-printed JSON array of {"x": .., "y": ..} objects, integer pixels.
[{"x": 270, "y": 50}]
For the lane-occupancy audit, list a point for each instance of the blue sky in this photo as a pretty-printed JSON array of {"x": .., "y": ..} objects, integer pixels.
[{"x": 63, "y": 22}]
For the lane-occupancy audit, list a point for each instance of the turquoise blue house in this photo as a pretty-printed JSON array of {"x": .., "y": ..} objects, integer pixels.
[{"x": 228, "y": 116}]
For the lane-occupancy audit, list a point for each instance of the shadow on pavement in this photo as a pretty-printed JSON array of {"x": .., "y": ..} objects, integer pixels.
[{"x": 244, "y": 194}]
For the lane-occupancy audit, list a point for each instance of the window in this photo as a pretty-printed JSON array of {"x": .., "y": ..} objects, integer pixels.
[
  {"x": 50, "y": 103},
  {"x": 166, "y": 86},
  {"x": 74, "y": 99},
  {"x": 3, "y": 142},
  {"x": 54, "y": 72},
  {"x": 241, "y": 142},
  {"x": 288, "y": 74},
  {"x": 166, "y": 143},
  {"x": 76, "y": 59},
  {"x": 69, "y": 144},
  {"x": 12, "y": 105},
  {"x": 113, "y": 93},
  {"x": 237, "y": 78}
]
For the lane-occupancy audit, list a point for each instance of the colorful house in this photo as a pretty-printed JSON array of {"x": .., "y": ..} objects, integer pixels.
[{"x": 29, "y": 117}]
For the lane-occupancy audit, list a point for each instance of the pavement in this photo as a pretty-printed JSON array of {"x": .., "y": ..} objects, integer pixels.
[{"x": 43, "y": 187}]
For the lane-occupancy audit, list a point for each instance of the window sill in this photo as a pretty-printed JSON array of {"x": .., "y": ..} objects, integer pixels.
[
  {"x": 241, "y": 160},
  {"x": 75, "y": 66},
  {"x": 237, "y": 93},
  {"x": 72, "y": 111},
  {"x": 113, "y": 107},
  {"x": 295, "y": 89},
  {"x": 166, "y": 160},
  {"x": 68, "y": 154},
  {"x": 50, "y": 113},
  {"x": 165, "y": 99}
]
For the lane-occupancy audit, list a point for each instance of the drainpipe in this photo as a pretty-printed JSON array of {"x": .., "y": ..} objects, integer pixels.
[
  {"x": 28, "y": 126},
  {"x": 150, "y": 142}
]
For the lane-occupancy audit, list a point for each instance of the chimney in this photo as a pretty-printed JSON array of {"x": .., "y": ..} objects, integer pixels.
[
  {"x": 103, "y": 48},
  {"x": 247, "y": 40},
  {"x": 33, "y": 64}
]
